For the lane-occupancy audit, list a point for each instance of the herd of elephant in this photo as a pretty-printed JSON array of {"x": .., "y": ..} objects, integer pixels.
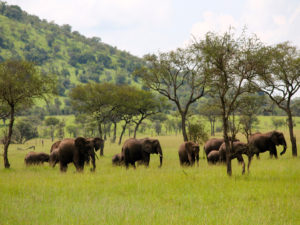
[{"x": 82, "y": 150}]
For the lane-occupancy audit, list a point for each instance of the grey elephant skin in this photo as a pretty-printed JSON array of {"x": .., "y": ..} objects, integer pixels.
[
  {"x": 53, "y": 158},
  {"x": 236, "y": 151},
  {"x": 267, "y": 142},
  {"x": 188, "y": 153},
  {"x": 117, "y": 159},
  {"x": 77, "y": 151},
  {"x": 214, "y": 144},
  {"x": 213, "y": 157},
  {"x": 34, "y": 158},
  {"x": 139, "y": 150}
]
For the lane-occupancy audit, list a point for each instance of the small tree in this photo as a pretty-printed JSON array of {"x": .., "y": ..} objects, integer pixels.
[
  {"x": 52, "y": 122},
  {"x": 278, "y": 123},
  {"x": 61, "y": 130},
  {"x": 72, "y": 130},
  {"x": 24, "y": 130},
  {"x": 20, "y": 84},
  {"x": 197, "y": 133},
  {"x": 211, "y": 110},
  {"x": 248, "y": 106},
  {"x": 178, "y": 76}
]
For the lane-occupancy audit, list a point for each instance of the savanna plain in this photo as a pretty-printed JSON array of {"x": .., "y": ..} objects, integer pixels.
[{"x": 269, "y": 194}]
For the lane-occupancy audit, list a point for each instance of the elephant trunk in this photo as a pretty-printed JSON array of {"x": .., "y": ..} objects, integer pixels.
[
  {"x": 159, "y": 151},
  {"x": 284, "y": 147},
  {"x": 284, "y": 150}
]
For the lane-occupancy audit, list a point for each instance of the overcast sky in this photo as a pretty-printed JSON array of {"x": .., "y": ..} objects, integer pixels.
[{"x": 149, "y": 26}]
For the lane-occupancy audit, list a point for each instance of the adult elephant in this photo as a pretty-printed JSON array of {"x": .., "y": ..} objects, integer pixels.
[
  {"x": 214, "y": 144},
  {"x": 139, "y": 150},
  {"x": 188, "y": 153},
  {"x": 32, "y": 158},
  {"x": 78, "y": 151},
  {"x": 267, "y": 142},
  {"x": 236, "y": 151}
]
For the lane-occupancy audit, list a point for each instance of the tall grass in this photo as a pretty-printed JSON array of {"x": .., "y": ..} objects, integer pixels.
[{"x": 270, "y": 194}]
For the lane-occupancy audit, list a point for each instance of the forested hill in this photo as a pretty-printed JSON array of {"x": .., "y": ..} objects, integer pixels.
[{"x": 73, "y": 57}]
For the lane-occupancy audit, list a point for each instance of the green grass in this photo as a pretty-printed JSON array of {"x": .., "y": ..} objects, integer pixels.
[{"x": 270, "y": 194}]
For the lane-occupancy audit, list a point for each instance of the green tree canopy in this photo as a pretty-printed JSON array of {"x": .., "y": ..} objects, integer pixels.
[{"x": 20, "y": 84}]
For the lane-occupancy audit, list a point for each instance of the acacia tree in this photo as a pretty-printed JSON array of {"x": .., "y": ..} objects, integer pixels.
[
  {"x": 248, "y": 108},
  {"x": 176, "y": 75},
  {"x": 146, "y": 104},
  {"x": 281, "y": 80},
  {"x": 20, "y": 84},
  {"x": 229, "y": 63},
  {"x": 94, "y": 99},
  {"x": 211, "y": 110}
]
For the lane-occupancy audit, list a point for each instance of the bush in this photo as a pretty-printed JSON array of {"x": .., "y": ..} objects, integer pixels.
[{"x": 197, "y": 133}]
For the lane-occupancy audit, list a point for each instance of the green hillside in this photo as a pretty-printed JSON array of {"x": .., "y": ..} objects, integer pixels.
[{"x": 58, "y": 50}]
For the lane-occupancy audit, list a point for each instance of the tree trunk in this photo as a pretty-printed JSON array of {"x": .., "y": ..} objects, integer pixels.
[
  {"x": 213, "y": 127},
  {"x": 183, "y": 126},
  {"x": 104, "y": 129},
  {"x": 115, "y": 133},
  {"x": 100, "y": 129},
  {"x": 226, "y": 140},
  {"x": 292, "y": 137},
  {"x": 8, "y": 139},
  {"x": 123, "y": 131}
]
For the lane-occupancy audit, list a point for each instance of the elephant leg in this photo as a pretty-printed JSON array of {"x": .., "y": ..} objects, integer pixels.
[
  {"x": 249, "y": 162},
  {"x": 63, "y": 167},
  {"x": 197, "y": 158},
  {"x": 93, "y": 162},
  {"x": 257, "y": 155},
  {"x": 133, "y": 164},
  {"x": 241, "y": 160}
]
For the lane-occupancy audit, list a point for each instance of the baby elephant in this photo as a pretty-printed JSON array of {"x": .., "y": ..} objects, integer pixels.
[
  {"x": 118, "y": 159},
  {"x": 36, "y": 158},
  {"x": 188, "y": 152},
  {"x": 213, "y": 157}
]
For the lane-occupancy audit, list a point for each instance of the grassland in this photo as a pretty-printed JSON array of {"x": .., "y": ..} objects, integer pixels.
[{"x": 270, "y": 194}]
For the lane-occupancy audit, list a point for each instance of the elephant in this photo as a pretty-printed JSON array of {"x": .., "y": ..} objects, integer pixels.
[
  {"x": 213, "y": 157},
  {"x": 238, "y": 149},
  {"x": 188, "y": 153},
  {"x": 214, "y": 144},
  {"x": 53, "y": 158},
  {"x": 100, "y": 144},
  {"x": 36, "y": 158},
  {"x": 117, "y": 159},
  {"x": 139, "y": 150},
  {"x": 267, "y": 142},
  {"x": 78, "y": 151},
  {"x": 54, "y": 146}
]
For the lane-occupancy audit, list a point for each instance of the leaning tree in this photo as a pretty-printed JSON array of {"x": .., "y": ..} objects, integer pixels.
[
  {"x": 177, "y": 75},
  {"x": 20, "y": 84},
  {"x": 279, "y": 78}
]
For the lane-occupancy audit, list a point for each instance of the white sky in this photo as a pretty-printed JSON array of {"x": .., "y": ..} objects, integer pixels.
[{"x": 149, "y": 26}]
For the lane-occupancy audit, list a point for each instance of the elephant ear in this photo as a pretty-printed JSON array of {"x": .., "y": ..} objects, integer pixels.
[
  {"x": 188, "y": 147},
  {"x": 97, "y": 142},
  {"x": 147, "y": 146},
  {"x": 81, "y": 143},
  {"x": 274, "y": 137},
  {"x": 196, "y": 148}
]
